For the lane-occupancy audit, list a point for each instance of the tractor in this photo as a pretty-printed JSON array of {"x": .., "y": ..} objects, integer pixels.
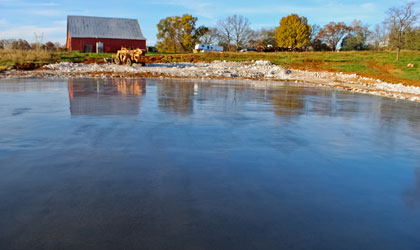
[{"x": 128, "y": 57}]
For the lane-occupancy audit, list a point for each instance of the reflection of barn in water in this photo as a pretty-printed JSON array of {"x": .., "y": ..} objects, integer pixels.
[{"x": 106, "y": 96}]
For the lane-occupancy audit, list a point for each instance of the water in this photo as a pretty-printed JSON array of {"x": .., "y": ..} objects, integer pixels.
[{"x": 176, "y": 164}]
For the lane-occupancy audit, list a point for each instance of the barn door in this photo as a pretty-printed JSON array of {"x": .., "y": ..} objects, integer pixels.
[{"x": 87, "y": 48}]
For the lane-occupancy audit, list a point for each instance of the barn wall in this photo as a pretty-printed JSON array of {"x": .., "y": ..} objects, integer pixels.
[{"x": 110, "y": 45}]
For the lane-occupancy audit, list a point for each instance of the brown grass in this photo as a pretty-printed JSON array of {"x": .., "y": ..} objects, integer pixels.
[{"x": 19, "y": 58}]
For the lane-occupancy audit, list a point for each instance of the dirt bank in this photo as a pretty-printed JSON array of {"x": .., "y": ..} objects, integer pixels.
[{"x": 258, "y": 70}]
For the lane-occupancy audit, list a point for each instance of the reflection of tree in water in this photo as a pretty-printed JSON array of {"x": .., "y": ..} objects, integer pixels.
[
  {"x": 414, "y": 119},
  {"x": 412, "y": 195},
  {"x": 133, "y": 87},
  {"x": 228, "y": 96},
  {"x": 393, "y": 113},
  {"x": 288, "y": 101},
  {"x": 327, "y": 102},
  {"x": 105, "y": 96},
  {"x": 320, "y": 102},
  {"x": 176, "y": 96}
]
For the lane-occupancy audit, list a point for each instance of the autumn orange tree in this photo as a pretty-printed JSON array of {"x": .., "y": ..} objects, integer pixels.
[
  {"x": 332, "y": 33},
  {"x": 294, "y": 31}
]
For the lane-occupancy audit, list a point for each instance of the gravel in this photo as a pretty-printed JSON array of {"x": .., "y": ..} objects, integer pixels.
[
  {"x": 258, "y": 69},
  {"x": 261, "y": 70}
]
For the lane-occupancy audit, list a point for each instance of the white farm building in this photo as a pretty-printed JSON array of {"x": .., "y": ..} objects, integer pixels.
[{"x": 208, "y": 48}]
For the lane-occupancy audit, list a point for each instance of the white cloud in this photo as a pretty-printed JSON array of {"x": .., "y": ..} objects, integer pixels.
[
  {"x": 368, "y": 6},
  {"x": 21, "y": 4},
  {"x": 324, "y": 13},
  {"x": 47, "y": 12},
  {"x": 51, "y": 4},
  {"x": 200, "y": 8},
  {"x": 60, "y": 23},
  {"x": 331, "y": 11},
  {"x": 55, "y": 34},
  {"x": 151, "y": 42},
  {"x": 327, "y": 9}
]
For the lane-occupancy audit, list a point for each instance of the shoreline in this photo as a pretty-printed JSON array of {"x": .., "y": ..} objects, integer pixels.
[{"x": 221, "y": 70}]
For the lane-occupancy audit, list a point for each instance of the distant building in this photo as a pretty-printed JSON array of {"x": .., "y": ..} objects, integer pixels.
[
  {"x": 208, "y": 48},
  {"x": 84, "y": 33}
]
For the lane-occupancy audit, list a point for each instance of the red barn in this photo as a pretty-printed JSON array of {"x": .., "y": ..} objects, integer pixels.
[{"x": 84, "y": 32}]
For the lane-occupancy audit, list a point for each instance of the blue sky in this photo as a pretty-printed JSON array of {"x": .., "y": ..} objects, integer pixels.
[{"x": 21, "y": 19}]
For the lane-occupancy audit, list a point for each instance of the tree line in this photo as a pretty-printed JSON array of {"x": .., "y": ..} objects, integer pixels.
[
  {"x": 400, "y": 30},
  {"x": 25, "y": 45}
]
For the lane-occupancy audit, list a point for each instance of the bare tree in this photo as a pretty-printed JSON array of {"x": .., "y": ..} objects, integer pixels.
[
  {"x": 58, "y": 45},
  {"x": 315, "y": 30},
  {"x": 399, "y": 20},
  {"x": 265, "y": 37},
  {"x": 39, "y": 39},
  {"x": 210, "y": 37},
  {"x": 234, "y": 31},
  {"x": 241, "y": 30},
  {"x": 225, "y": 31},
  {"x": 316, "y": 43},
  {"x": 357, "y": 37},
  {"x": 20, "y": 44},
  {"x": 379, "y": 36},
  {"x": 7, "y": 43}
]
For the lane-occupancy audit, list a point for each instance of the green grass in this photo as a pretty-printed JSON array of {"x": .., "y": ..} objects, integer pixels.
[
  {"x": 77, "y": 56},
  {"x": 375, "y": 64},
  {"x": 156, "y": 53},
  {"x": 381, "y": 65}
]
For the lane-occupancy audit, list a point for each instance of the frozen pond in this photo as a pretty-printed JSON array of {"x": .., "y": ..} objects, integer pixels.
[{"x": 90, "y": 164}]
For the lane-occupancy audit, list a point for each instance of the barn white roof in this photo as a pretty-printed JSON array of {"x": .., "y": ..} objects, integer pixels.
[{"x": 104, "y": 27}]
